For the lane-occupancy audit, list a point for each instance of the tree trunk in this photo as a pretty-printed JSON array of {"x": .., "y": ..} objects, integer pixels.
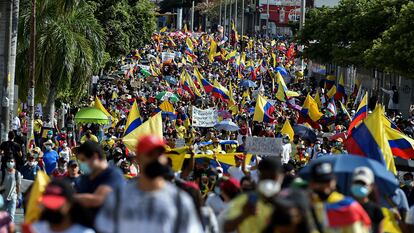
[
  {"x": 50, "y": 103},
  {"x": 12, "y": 58}
]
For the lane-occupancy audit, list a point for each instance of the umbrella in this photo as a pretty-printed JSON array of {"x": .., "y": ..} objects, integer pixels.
[
  {"x": 226, "y": 125},
  {"x": 342, "y": 135},
  {"x": 166, "y": 95},
  {"x": 281, "y": 70},
  {"x": 91, "y": 115},
  {"x": 247, "y": 83},
  {"x": 304, "y": 132},
  {"x": 171, "y": 80},
  {"x": 344, "y": 166}
]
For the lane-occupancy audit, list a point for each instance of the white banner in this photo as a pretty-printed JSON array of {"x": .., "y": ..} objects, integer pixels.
[
  {"x": 263, "y": 145},
  {"x": 204, "y": 117},
  {"x": 165, "y": 56}
]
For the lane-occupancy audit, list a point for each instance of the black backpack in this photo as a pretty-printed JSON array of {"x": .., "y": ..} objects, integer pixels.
[{"x": 395, "y": 97}]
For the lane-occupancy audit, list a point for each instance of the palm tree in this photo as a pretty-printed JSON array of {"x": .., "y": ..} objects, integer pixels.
[{"x": 70, "y": 45}]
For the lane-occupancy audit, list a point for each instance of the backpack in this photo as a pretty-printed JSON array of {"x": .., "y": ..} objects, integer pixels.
[{"x": 395, "y": 97}]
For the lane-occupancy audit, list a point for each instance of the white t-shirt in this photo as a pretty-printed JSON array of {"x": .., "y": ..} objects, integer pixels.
[
  {"x": 149, "y": 212},
  {"x": 286, "y": 151},
  {"x": 95, "y": 79},
  {"x": 409, "y": 219},
  {"x": 216, "y": 203},
  {"x": 236, "y": 172},
  {"x": 15, "y": 123},
  {"x": 43, "y": 227}
]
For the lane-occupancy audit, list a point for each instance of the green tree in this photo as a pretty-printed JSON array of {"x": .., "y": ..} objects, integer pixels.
[
  {"x": 70, "y": 47},
  {"x": 394, "y": 50},
  {"x": 345, "y": 33},
  {"x": 127, "y": 24}
]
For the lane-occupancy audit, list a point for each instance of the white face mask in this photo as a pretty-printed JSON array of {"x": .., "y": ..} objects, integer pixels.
[{"x": 268, "y": 188}]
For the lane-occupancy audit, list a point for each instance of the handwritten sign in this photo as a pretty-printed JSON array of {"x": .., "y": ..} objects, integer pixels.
[
  {"x": 166, "y": 56},
  {"x": 204, "y": 117},
  {"x": 263, "y": 145}
]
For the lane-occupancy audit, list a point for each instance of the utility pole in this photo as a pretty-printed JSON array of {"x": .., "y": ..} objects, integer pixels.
[
  {"x": 220, "y": 13},
  {"x": 267, "y": 18},
  {"x": 192, "y": 17},
  {"x": 242, "y": 19},
  {"x": 225, "y": 18},
  {"x": 32, "y": 65},
  {"x": 235, "y": 14},
  {"x": 230, "y": 17},
  {"x": 206, "y": 19},
  {"x": 301, "y": 25}
]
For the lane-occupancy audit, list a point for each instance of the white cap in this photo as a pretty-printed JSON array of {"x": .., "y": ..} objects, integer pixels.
[{"x": 363, "y": 174}]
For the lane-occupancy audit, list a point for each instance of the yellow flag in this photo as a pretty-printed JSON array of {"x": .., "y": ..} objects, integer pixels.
[
  {"x": 318, "y": 99},
  {"x": 164, "y": 29},
  {"x": 331, "y": 92},
  {"x": 287, "y": 129},
  {"x": 213, "y": 49},
  {"x": 33, "y": 210},
  {"x": 151, "y": 126},
  {"x": 312, "y": 107},
  {"x": 99, "y": 106},
  {"x": 114, "y": 95}
]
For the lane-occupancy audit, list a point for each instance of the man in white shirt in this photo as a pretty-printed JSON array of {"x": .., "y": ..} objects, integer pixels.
[
  {"x": 286, "y": 149},
  {"x": 150, "y": 204},
  {"x": 237, "y": 171},
  {"x": 15, "y": 123}
]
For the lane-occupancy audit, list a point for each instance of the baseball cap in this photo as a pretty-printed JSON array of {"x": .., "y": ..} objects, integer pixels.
[
  {"x": 56, "y": 194},
  {"x": 72, "y": 162},
  {"x": 364, "y": 175},
  {"x": 149, "y": 143},
  {"x": 322, "y": 172}
]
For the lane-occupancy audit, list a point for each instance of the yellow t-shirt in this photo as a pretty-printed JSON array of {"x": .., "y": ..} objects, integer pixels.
[
  {"x": 37, "y": 126},
  {"x": 93, "y": 138},
  {"x": 110, "y": 143},
  {"x": 181, "y": 131},
  {"x": 252, "y": 224}
]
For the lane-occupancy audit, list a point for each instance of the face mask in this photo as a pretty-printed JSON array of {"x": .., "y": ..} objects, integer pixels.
[
  {"x": 61, "y": 167},
  {"x": 285, "y": 140},
  {"x": 10, "y": 165},
  {"x": 49, "y": 136},
  {"x": 64, "y": 144},
  {"x": 155, "y": 169},
  {"x": 322, "y": 195},
  {"x": 359, "y": 191},
  {"x": 31, "y": 163},
  {"x": 268, "y": 188},
  {"x": 53, "y": 217},
  {"x": 70, "y": 135},
  {"x": 1, "y": 201},
  {"x": 407, "y": 182},
  {"x": 85, "y": 168},
  {"x": 63, "y": 132},
  {"x": 35, "y": 155},
  {"x": 48, "y": 147}
]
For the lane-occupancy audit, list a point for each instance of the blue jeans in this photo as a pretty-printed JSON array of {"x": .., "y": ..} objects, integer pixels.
[{"x": 10, "y": 207}]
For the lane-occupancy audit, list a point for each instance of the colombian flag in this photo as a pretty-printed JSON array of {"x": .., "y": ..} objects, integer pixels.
[
  {"x": 167, "y": 110},
  {"x": 329, "y": 82},
  {"x": 361, "y": 113},
  {"x": 134, "y": 119},
  {"x": 401, "y": 145},
  {"x": 220, "y": 92},
  {"x": 340, "y": 90},
  {"x": 263, "y": 110},
  {"x": 369, "y": 139}
]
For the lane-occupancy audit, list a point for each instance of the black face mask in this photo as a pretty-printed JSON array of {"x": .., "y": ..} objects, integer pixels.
[
  {"x": 322, "y": 195},
  {"x": 155, "y": 169},
  {"x": 53, "y": 217}
]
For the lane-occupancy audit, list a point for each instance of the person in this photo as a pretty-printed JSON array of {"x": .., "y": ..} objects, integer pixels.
[
  {"x": 225, "y": 191},
  {"x": 180, "y": 129},
  {"x": 286, "y": 149},
  {"x": 73, "y": 173},
  {"x": 11, "y": 181},
  {"x": 247, "y": 184},
  {"x": 150, "y": 204},
  {"x": 65, "y": 152},
  {"x": 15, "y": 124},
  {"x": 204, "y": 212},
  {"x": 325, "y": 201},
  {"x": 11, "y": 148},
  {"x": 236, "y": 171},
  {"x": 6, "y": 224},
  {"x": 407, "y": 187},
  {"x": 250, "y": 212},
  {"x": 61, "y": 169},
  {"x": 98, "y": 178},
  {"x": 31, "y": 168},
  {"x": 393, "y": 102},
  {"x": 50, "y": 157},
  {"x": 89, "y": 137},
  {"x": 60, "y": 213},
  {"x": 37, "y": 128},
  {"x": 362, "y": 186}
]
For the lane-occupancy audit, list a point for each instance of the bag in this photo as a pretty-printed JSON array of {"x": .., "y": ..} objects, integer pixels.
[
  {"x": 3, "y": 176},
  {"x": 395, "y": 97}
]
